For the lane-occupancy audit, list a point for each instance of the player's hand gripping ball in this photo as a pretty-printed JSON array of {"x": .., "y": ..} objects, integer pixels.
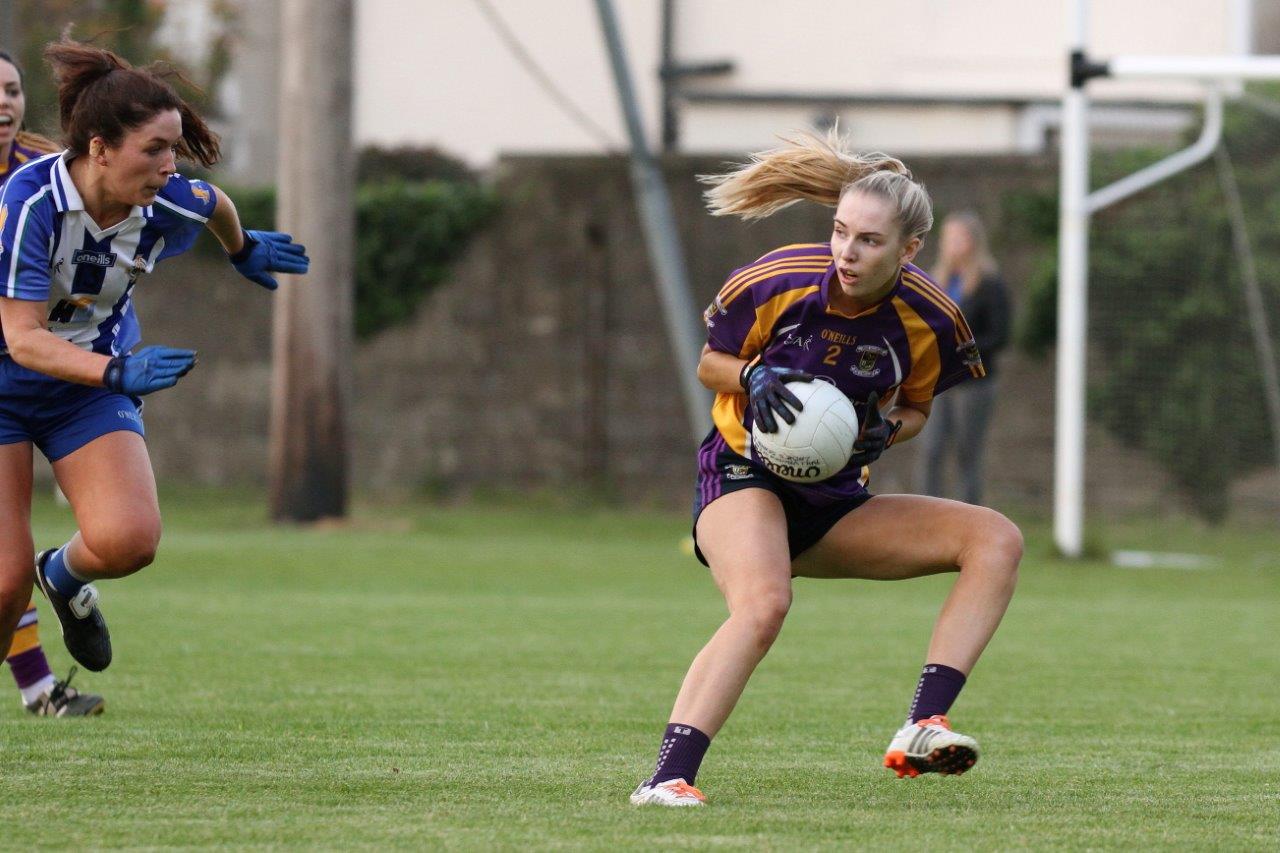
[
  {"x": 877, "y": 434},
  {"x": 767, "y": 393},
  {"x": 266, "y": 252},
  {"x": 817, "y": 442}
]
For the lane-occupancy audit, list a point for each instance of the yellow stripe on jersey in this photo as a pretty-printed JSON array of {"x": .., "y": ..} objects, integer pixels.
[
  {"x": 934, "y": 294},
  {"x": 767, "y": 317},
  {"x": 756, "y": 266},
  {"x": 727, "y": 413},
  {"x": 825, "y": 247},
  {"x": 964, "y": 334},
  {"x": 741, "y": 283},
  {"x": 926, "y": 362}
]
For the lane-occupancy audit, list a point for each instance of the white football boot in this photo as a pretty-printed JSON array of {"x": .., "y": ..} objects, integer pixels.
[
  {"x": 675, "y": 792},
  {"x": 929, "y": 746}
]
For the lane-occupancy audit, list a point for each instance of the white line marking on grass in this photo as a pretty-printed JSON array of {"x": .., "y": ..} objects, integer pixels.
[{"x": 1163, "y": 560}]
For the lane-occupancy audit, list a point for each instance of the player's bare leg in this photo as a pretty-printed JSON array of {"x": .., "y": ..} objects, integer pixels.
[
  {"x": 744, "y": 538},
  {"x": 113, "y": 495},
  {"x": 16, "y": 548},
  {"x": 112, "y": 491},
  {"x": 743, "y": 535},
  {"x": 894, "y": 537}
]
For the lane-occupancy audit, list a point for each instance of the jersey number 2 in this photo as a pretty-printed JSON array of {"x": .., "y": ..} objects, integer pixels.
[{"x": 833, "y": 352}]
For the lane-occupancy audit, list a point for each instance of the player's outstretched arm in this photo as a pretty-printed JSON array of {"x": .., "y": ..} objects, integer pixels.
[
  {"x": 149, "y": 369},
  {"x": 33, "y": 346},
  {"x": 255, "y": 254}
]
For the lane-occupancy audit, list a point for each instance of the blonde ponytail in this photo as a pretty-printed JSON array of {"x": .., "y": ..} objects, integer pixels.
[
  {"x": 36, "y": 142},
  {"x": 807, "y": 168}
]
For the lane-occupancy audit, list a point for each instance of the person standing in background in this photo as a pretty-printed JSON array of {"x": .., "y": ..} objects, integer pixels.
[{"x": 969, "y": 273}]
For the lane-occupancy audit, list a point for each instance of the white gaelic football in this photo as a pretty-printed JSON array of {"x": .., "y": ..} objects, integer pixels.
[{"x": 818, "y": 444}]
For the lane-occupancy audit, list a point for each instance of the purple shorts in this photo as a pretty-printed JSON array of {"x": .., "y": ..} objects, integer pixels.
[{"x": 810, "y": 513}]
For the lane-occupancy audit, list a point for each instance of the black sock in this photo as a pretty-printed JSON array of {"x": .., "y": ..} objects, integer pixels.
[
  {"x": 681, "y": 754},
  {"x": 938, "y": 688}
]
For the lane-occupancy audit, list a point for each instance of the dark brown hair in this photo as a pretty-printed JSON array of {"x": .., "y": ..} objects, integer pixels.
[{"x": 100, "y": 94}]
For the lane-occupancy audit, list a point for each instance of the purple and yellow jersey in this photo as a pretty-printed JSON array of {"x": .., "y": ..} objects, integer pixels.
[
  {"x": 19, "y": 154},
  {"x": 915, "y": 342},
  {"x": 52, "y": 251}
]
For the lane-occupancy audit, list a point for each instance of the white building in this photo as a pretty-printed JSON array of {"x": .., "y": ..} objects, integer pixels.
[{"x": 481, "y": 77}]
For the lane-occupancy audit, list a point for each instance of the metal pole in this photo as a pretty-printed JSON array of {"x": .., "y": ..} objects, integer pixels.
[
  {"x": 1196, "y": 67},
  {"x": 1240, "y": 13},
  {"x": 1073, "y": 290},
  {"x": 667, "y": 77},
  {"x": 1198, "y": 152},
  {"x": 313, "y": 320},
  {"x": 661, "y": 237}
]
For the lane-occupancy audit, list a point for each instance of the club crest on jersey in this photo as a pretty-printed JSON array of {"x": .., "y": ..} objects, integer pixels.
[
  {"x": 200, "y": 192},
  {"x": 4, "y": 215},
  {"x": 865, "y": 361},
  {"x": 969, "y": 353},
  {"x": 106, "y": 260},
  {"x": 737, "y": 472},
  {"x": 138, "y": 268}
]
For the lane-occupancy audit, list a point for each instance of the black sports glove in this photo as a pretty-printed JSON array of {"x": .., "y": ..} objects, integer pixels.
[
  {"x": 767, "y": 393},
  {"x": 877, "y": 434}
]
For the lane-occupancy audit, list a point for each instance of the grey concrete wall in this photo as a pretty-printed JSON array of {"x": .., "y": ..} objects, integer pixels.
[{"x": 542, "y": 364}]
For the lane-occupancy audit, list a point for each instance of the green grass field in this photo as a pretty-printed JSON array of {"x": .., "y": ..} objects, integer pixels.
[{"x": 498, "y": 679}]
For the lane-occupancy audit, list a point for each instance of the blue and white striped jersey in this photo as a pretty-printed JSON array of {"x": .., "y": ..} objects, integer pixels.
[{"x": 52, "y": 251}]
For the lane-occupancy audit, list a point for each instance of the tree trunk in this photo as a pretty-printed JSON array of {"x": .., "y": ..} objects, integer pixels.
[{"x": 313, "y": 320}]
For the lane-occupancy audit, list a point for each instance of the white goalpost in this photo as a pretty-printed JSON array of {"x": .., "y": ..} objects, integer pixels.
[{"x": 1078, "y": 203}]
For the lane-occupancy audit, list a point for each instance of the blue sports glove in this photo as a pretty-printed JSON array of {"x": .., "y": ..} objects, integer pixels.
[
  {"x": 149, "y": 369},
  {"x": 269, "y": 251},
  {"x": 767, "y": 393},
  {"x": 877, "y": 434}
]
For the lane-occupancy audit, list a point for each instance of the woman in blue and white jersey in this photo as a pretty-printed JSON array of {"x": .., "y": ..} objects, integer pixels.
[
  {"x": 78, "y": 229},
  {"x": 43, "y": 694}
]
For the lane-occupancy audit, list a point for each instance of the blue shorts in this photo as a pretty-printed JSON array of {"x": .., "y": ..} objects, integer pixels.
[
  {"x": 57, "y": 416},
  {"x": 809, "y": 515}
]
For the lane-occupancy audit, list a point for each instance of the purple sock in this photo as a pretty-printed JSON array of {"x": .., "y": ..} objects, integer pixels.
[
  {"x": 29, "y": 667},
  {"x": 681, "y": 754},
  {"x": 938, "y": 688}
]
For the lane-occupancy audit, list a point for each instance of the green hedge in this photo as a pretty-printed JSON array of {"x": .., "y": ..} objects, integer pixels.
[{"x": 407, "y": 236}]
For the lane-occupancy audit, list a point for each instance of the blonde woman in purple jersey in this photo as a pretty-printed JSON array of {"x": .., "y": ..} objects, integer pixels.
[
  {"x": 856, "y": 312},
  {"x": 42, "y": 693}
]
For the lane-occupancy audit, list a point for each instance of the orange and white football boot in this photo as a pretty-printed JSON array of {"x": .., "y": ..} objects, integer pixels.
[
  {"x": 674, "y": 792},
  {"x": 929, "y": 746}
]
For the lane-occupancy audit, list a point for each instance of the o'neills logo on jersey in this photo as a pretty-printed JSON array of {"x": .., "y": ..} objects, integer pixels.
[
  {"x": 866, "y": 358},
  {"x": 839, "y": 337},
  {"x": 106, "y": 260}
]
